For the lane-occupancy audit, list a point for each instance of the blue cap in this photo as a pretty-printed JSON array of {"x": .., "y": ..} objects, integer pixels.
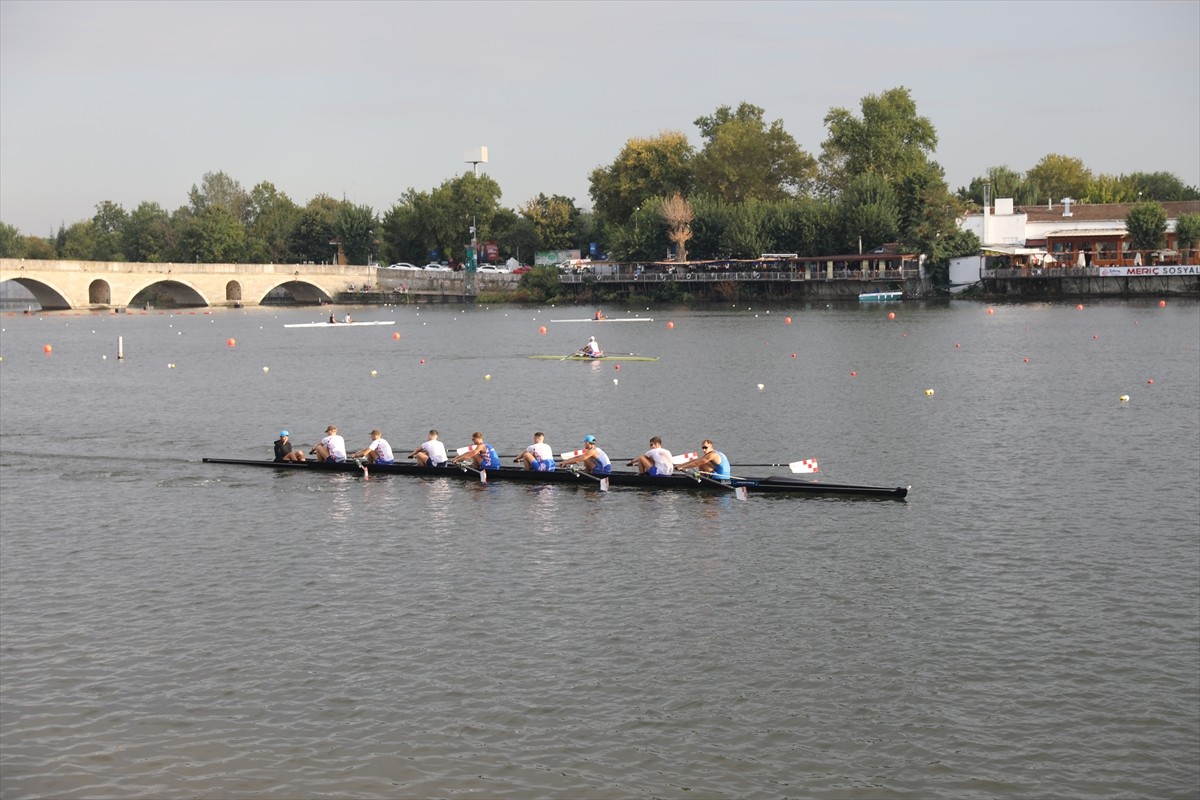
[
  {"x": 589, "y": 439},
  {"x": 283, "y": 433}
]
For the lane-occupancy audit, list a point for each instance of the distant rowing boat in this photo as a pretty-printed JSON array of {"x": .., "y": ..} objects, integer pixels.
[
  {"x": 623, "y": 319},
  {"x": 604, "y": 358},
  {"x": 679, "y": 480},
  {"x": 880, "y": 297},
  {"x": 338, "y": 324}
]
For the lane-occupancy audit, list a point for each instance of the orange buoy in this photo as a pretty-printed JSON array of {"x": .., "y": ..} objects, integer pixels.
[
  {"x": 231, "y": 341},
  {"x": 958, "y": 345},
  {"x": 991, "y": 311},
  {"x": 1151, "y": 381},
  {"x": 853, "y": 374},
  {"x": 793, "y": 355},
  {"x": 1027, "y": 361},
  {"x": 616, "y": 366},
  {"x": 542, "y": 330},
  {"x": 1162, "y": 303},
  {"x": 1079, "y": 307},
  {"x": 47, "y": 349},
  {"x": 787, "y": 320},
  {"x": 891, "y": 315},
  {"x": 422, "y": 361},
  {"x": 670, "y": 326},
  {"x": 396, "y": 335}
]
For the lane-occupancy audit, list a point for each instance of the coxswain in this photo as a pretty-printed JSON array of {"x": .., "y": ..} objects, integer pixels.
[
  {"x": 599, "y": 315},
  {"x": 711, "y": 461},
  {"x": 284, "y": 451}
]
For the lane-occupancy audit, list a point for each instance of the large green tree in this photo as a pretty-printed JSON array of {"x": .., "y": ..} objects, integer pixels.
[
  {"x": 555, "y": 220},
  {"x": 1058, "y": 176},
  {"x": 644, "y": 169},
  {"x": 219, "y": 190},
  {"x": 744, "y": 158},
  {"x": 1147, "y": 226},
  {"x": 110, "y": 220},
  {"x": 311, "y": 237},
  {"x": 12, "y": 243},
  {"x": 868, "y": 214},
  {"x": 1187, "y": 234},
  {"x": 79, "y": 241},
  {"x": 271, "y": 218},
  {"x": 890, "y": 140},
  {"x": 149, "y": 236},
  {"x": 214, "y": 236},
  {"x": 354, "y": 229}
]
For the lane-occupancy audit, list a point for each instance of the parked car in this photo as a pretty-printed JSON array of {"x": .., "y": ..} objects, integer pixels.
[
  {"x": 437, "y": 268},
  {"x": 521, "y": 270},
  {"x": 493, "y": 269},
  {"x": 402, "y": 265}
]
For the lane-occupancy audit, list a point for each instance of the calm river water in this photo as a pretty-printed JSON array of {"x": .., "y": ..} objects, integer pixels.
[{"x": 1026, "y": 625}]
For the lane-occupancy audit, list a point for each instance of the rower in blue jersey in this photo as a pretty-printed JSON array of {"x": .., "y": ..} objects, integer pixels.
[
  {"x": 482, "y": 453},
  {"x": 710, "y": 461},
  {"x": 594, "y": 459}
]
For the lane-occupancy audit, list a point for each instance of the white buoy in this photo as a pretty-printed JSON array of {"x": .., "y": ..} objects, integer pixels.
[
  {"x": 120, "y": 347},
  {"x": 761, "y": 387}
]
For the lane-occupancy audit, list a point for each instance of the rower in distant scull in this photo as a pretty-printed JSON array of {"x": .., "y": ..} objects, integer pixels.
[{"x": 591, "y": 349}]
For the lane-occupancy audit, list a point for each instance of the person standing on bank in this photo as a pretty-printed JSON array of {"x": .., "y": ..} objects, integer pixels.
[
  {"x": 332, "y": 447},
  {"x": 284, "y": 451}
]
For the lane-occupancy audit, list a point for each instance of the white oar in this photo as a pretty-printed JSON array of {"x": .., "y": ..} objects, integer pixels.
[
  {"x": 804, "y": 465},
  {"x": 577, "y": 471},
  {"x": 482, "y": 473}
]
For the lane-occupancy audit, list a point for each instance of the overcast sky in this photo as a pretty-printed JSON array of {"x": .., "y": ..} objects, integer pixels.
[{"x": 134, "y": 102}]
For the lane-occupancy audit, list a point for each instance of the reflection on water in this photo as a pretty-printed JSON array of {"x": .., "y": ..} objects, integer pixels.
[{"x": 1025, "y": 625}]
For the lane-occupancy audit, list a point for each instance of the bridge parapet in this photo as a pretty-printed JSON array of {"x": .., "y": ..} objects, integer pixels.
[{"x": 64, "y": 284}]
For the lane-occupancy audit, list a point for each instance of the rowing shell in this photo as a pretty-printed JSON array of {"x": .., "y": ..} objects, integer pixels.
[
  {"x": 601, "y": 358},
  {"x": 623, "y": 319},
  {"x": 338, "y": 324},
  {"x": 773, "y": 485}
]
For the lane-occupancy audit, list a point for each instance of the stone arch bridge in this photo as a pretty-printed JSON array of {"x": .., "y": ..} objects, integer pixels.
[{"x": 59, "y": 285}]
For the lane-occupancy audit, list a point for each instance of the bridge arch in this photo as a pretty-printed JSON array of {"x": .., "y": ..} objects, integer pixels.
[
  {"x": 49, "y": 297},
  {"x": 233, "y": 292},
  {"x": 178, "y": 292},
  {"x": 302, "y": 292},
  {"x": 99, "y": 292}
]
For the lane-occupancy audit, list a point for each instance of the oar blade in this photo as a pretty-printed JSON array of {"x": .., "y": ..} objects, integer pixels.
[
  {"x": 604, "y": 484},
  {"x": 804, "y": 466},
  {"x": 739, "y": 492}
]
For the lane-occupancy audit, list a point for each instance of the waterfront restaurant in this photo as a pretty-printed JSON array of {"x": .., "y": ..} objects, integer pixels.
[{"x": 1076, "y": 234}]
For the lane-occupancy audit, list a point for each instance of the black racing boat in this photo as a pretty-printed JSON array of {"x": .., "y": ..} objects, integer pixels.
[{"x": 680, "y": 480}]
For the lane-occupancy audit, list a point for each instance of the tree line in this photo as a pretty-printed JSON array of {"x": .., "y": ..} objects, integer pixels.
[{"x": 748, "y": 188}]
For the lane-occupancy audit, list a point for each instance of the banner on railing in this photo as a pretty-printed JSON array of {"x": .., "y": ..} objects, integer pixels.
[{"x": 1165, "y": 269}]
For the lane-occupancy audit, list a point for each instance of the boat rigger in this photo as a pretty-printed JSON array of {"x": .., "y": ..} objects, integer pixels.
[{"x": 781, "y": 485}]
